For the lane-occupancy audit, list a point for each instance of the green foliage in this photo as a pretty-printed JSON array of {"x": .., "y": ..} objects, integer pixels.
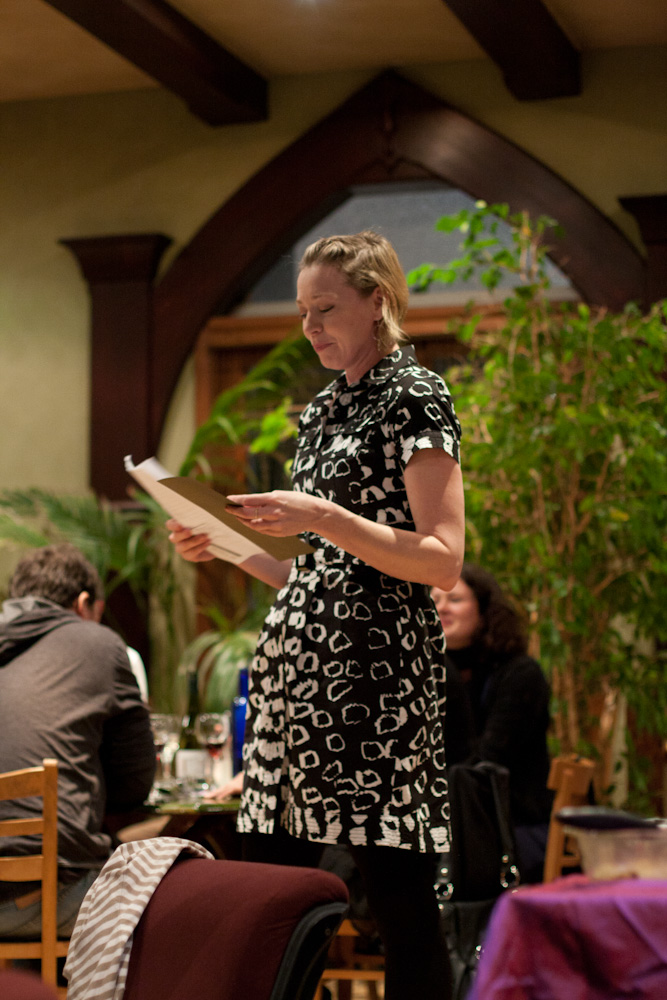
[
  {"x": 256, "y": 411},
  {"x": 565, "y": 467},
  {"x": 219, "y": 653},
  {"x": 483, "y": 251},
  {"x": 258, "y": 414},
  {"x": 111, "y": 539}
]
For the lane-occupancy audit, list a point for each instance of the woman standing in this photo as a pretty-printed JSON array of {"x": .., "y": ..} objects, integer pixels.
[
  {"x": 346, "y": 706},
  {"x": 509, "y": 698}
]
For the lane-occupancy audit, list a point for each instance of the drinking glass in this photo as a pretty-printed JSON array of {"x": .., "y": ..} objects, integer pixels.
[
  {"x": 212, "y": 729},
  {"x": 166, "y": 734}
]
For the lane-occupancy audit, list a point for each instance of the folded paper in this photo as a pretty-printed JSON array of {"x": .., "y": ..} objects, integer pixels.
[{"x": 202, "y": 510}]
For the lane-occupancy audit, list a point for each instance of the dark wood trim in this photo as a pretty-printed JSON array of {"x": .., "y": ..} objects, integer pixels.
[
  {"x": 534, "y": 54},
  {"x": 228, "y": 332},
  {"x": 650, "y": 211},
  {"x": 224, "y": 336},
  {"x": 391, "y": 130},
  {"x": 216, "y": 86},
  {"x": 128, "y": 257},
  {"x": 119, "y": 271}
]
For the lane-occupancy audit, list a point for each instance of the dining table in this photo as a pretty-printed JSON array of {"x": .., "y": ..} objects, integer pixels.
[
  {"x": 214, "y": 823},
  {"x": 210, "y": 823},
  {"x": 576, "y": 938}
]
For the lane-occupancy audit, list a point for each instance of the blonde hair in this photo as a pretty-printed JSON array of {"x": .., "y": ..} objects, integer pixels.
[{"x": 368, "y": 261}]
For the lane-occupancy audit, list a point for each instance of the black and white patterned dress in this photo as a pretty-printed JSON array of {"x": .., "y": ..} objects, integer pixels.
[{"x": 347, "y": 694}]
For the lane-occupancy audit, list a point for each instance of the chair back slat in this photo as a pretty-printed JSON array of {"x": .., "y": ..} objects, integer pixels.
[
  {"x": 21, "y": 784},
  {"x": 20, "y": 827},
  {"x": 28, "y": 868}
]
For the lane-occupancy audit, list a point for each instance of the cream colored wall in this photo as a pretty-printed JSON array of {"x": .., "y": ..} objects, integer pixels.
[
  {"x": 131, "y": 162},
  {"x": 138, "y": 162}
]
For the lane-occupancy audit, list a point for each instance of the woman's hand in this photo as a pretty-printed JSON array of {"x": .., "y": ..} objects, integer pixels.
[
  {"x": 227, "y": 791},
  {"x": 281, "y": 512},
  {"x": 194, "y": 548}
]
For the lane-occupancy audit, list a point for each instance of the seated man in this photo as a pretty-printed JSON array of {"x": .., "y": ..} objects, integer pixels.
[{"x": 67, "y": 691}]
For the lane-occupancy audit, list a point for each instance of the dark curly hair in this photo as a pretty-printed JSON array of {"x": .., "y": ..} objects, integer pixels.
[
  {"x": 503, "y": 632},
  {"x": 57, "y": 572}
]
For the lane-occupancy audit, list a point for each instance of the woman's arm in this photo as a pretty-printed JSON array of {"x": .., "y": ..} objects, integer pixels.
[
  {"x": 194, "y": 548},
  {"x": 267, "y": 569},
  {"x": 432, "y": 554}
]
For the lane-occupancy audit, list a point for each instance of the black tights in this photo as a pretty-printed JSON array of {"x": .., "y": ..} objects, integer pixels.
[{"x": 399, "y": 887}]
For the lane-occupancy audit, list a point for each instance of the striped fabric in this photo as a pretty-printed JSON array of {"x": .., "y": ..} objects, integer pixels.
[{"x": 101, "y": 943}]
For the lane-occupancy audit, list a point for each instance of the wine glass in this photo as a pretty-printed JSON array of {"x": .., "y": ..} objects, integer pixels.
[
  {"x": 166, "y": 734},
  {"x": 212, "y": 729}
]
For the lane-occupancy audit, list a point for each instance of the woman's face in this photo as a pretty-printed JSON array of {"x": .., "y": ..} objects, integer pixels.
[
  {"x": 338, "y": 321},
  {"x": 459, "y": 614}
]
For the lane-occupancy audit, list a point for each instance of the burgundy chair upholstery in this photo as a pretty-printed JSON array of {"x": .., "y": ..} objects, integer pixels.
[
  {"x": 17, "y": 984},
  {"x": 224, "y": 929}
]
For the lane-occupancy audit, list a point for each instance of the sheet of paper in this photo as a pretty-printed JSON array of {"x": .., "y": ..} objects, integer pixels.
[{"x": 202, "y": 510}]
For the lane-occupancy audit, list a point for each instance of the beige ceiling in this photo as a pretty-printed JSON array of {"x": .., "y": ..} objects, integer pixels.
[{"x": 43, "y": 54}]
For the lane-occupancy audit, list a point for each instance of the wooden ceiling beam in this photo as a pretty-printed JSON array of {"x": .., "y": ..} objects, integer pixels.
[
  {"x": 536, "y": 57},
  {"x": 216, "y": 86}
]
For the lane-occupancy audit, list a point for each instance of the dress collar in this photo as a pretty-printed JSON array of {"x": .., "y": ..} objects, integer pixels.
[{"x": 383, "y": 370}]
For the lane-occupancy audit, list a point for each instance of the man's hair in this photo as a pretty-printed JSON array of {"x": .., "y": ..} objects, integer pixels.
[{"x": 57, "y": 572}]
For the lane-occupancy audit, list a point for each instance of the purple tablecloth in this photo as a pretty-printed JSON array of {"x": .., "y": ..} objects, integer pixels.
[{"x": 576, "y": 939}]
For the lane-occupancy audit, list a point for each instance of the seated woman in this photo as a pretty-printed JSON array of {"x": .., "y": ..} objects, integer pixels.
[{"x": 509, "y": 697}]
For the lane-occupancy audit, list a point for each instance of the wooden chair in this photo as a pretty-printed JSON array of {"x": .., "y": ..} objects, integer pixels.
[
  {"x": 570, "y": 778},
  {"x": 349, "y": 966},
  {"x": 41, "y": 782}
]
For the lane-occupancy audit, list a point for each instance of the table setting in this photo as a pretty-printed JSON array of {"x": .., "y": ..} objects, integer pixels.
[
  {"x": 600, "y": 934},
  {"x": 183, "y": 791}
]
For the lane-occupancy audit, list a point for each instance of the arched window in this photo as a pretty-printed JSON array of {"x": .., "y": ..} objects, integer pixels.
[{"x": 406, "y": 214}]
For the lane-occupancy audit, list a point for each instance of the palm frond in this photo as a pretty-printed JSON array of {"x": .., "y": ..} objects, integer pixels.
[
  {"x": 237, "y": 412},
  {"x": 12, "y": 532},
  {"x": 23, "y": 503}
]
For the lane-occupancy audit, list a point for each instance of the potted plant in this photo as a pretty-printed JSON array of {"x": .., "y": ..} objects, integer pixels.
[{"x": 565, "y": 469}]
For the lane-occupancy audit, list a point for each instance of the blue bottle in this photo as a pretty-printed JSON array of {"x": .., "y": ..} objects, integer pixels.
[{"x": 239, "y": 706}]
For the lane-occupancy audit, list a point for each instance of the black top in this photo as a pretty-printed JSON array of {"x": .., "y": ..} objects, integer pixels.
[{"x": 509, "y": 699}]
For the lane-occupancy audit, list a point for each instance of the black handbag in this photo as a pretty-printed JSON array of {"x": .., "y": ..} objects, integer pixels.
[{"x": 480, "y": 865}]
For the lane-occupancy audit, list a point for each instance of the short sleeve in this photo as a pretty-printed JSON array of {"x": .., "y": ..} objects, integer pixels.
[{"x": 425, "y": 418}]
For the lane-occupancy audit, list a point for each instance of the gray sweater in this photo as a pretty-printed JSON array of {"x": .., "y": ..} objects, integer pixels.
[{"x": 67, "y": 691}]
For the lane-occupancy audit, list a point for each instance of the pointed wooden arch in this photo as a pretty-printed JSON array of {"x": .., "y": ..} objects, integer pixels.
[{"x": 391, "y": 130}]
